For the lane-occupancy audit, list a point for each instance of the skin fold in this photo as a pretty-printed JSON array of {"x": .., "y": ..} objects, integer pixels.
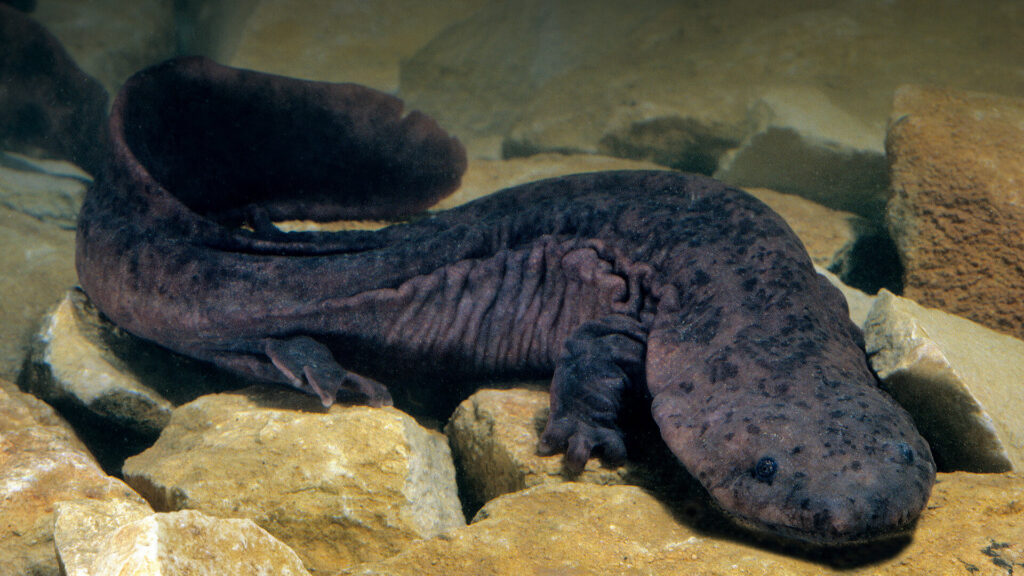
[{"x": 617, "y": 285}]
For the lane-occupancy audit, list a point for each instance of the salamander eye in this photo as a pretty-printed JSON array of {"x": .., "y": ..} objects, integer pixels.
[{"x": 765, "y": 469}]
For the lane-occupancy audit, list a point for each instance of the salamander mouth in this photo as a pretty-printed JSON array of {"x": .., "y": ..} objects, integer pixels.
[{"x": 787, "y": 535}]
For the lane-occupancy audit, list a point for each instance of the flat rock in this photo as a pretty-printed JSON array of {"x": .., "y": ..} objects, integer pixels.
[
  {"x": 185, "y": 543},
  {"x": 339, "y": 486},
  {"x": 974, "y": 524},
  {"x": 961, "y": 381},
  {"x": 361, "y": 42},
  {"x": 37, "y": 264},
  {"x": 958, "y": 211},
  {"x": 42, "y": 464}
]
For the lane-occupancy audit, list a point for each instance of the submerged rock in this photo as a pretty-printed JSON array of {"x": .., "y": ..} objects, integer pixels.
[
  {"x": 339, "y": 486},
  {"x": 961, "y": 381},
  {"x": 958, "y": 211},
  {"x": 975, "y": 524},
  {"x": 494, "y": 436},
  {"x": 37, "y": 263},
  {"x": 42, "y": 464},
  {"x": 172, "y": 544}
]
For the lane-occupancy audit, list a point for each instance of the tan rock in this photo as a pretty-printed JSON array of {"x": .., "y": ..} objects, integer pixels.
[
  {"x": 188, "y": 543},
  {"x": 958, "y": 211},
  {"x": 70, "y": 363},
  {"x": 82, "y": 528},
  {"x": 974, "y": 524},
  {"x": 494, "y": 436},
  {"x": 41, "y": 464},
  {"x": 961, "y": 381},
  {"x": 110, "y": 39},
  {"x": 858, "y": 302},
  {"x": 349, "y": 484},
  {"x": 361, "y": 42}
]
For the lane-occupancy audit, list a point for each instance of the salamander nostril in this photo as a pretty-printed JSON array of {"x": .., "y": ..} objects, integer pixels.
[{"x": 764, "y": 470}]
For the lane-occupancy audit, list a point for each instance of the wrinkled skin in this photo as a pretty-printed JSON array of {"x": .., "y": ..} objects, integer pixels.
[{"x": 615, "y": 283}]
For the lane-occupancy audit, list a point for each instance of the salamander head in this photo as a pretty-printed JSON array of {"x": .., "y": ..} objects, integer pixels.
[{"x": 819, "y": 471}]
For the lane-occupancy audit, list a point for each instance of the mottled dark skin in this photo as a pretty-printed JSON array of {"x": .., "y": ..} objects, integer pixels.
[{"x": 617, "y": 283}]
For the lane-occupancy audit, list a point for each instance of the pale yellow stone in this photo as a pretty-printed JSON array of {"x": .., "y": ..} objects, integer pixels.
[
  {"x": 81, "y": 529},
  {"x": 494, "y": 436},
  {"x": 190, "y": 543},
  {"x": 973, "y": 525},
  {"x": 70, "y": 363},
  {"x": 339, "y": 486},
  {"x": 961, "y": 381},
  {"x": 41, "y": 464}
]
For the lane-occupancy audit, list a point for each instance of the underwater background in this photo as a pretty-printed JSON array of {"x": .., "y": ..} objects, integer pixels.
[{"x": 888, "y": 134}]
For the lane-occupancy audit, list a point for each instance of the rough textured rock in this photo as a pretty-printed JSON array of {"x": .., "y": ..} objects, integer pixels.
[
  {"x": 37, "y": 261},
  {"x": 361, "y": 42},
  {"x": 958, "y": 210},
  {"x": 961, "y": 381},
  {"x": 111, "y": 39},
  {"x": 81, "y": 529},
  {"x": 70, "y": 364},
  {"x": 974, "y": 525},
  {"x": 341, "y": 486},
  {"x": 41, "y": 464},
  {"x": 184, "y": 543},
  {"x": 118, "y": 389},
  {"x": 494, "y": 436}
]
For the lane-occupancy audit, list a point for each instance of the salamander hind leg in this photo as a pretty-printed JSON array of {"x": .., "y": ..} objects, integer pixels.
[
  {"x": 601, "y": 360},
  {"x": 310, "y": 367}
]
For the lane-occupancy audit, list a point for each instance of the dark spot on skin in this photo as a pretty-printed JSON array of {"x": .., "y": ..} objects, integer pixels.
[
  {"x": 906, "y": 451},
  {"x": 700, "y": 278},
  {"x": 765, "y": 469}
]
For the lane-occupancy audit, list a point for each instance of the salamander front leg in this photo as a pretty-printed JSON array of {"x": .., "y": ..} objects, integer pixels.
[
  {"x": 310, "y": 367},
  {"x": 601, "y": 360}
]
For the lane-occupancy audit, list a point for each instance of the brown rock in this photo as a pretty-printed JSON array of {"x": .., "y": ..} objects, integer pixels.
[
  {"x": 185, "y": 543},
  {"x": 974, "y": 525},
  {"x": 41, "y": 464},
  {"x": 961, "y": 381},
  {"x": 958, "y": 211},
  {"x": 341, "y": 486}
]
